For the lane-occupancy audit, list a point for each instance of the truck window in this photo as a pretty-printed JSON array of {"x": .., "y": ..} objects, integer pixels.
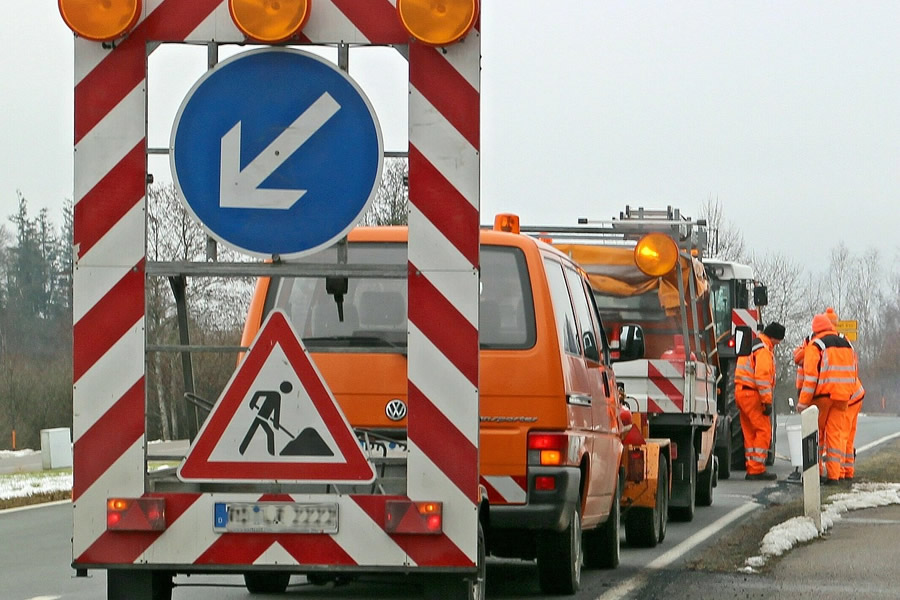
[
  {"x": 562, "y": 307},
  {"x": 375, "y": 307},
  {"x": 589, "y": 337},
  {"x": 721, "y": 306}
]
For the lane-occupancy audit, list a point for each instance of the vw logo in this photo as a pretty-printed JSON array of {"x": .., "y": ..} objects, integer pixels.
[{"x": 395, "y": 410}]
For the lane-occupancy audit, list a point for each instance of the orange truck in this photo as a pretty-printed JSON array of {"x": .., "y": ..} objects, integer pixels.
[
  {"x": 551, "y": 445},
  {"x": 648, "y": 283}
]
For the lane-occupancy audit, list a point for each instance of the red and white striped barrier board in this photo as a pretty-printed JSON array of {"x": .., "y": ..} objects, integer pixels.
[
  {"x": 744, "y": 316},
  {"x": 109, "y": 391},
  {"x": 667, "y": 386}
]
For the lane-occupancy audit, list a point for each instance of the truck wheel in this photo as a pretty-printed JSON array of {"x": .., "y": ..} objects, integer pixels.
[
  {"x": 138, "y": 584},
  {"x": 686, "y": 512},
  {"x": 560, "y": 557},
  {"x": 452, "y": 587},
  {"x": 602, "y": 545},
  {"x": 705, "y": 484},
  {"x": 662, "y": 498},
  {"x": 724, "y": 452},
  {"x": 267, "y": 583},
  {"x": 645, "y": 527}
]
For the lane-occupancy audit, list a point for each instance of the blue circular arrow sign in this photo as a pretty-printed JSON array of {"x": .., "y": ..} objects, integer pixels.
[{"x": 276, "y": 152}]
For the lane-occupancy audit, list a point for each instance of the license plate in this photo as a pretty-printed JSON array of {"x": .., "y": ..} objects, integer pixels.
[{"x": 275, "y": 517}]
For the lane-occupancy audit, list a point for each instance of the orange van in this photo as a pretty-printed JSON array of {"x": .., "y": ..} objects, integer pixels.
[{"x": 550, "y": 441}]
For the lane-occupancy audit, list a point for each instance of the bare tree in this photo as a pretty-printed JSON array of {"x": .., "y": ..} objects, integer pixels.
[
  {"x": 725, "y": 240},
  {"x": 391, "y": 203}
]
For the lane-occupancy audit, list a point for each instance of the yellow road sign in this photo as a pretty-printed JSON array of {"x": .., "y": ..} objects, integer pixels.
[{"x": 847, "y": 325}]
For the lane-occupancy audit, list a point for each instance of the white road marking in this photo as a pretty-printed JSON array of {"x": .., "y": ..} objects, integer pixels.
[{"x": 664, "y": 560}]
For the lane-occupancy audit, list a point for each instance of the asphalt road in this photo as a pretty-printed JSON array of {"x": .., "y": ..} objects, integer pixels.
[{"x": 39, "y": 560}]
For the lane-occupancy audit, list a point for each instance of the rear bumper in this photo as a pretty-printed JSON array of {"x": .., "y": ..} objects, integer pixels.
[{"x": 543, "y": 510}]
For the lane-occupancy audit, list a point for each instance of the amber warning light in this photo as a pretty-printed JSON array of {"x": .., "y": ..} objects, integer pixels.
[
  {"x": 438, "y": 22},
  {"x": 656, "y": 254},
  {"x": 269, "y": 21},
  {"x": 100, "y": 20}
]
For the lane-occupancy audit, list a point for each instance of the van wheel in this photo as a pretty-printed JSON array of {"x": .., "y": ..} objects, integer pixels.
[
  {"x": 705, "y": 484},
  {"x": 560, "y": 557},
  {"x": 646, "y": 527},
  {"x": 602, "y": 544},
  {"x": 267, "y": 583}
]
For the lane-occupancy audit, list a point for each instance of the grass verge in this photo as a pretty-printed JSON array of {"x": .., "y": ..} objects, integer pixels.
[{"x": 728, "y": 553}]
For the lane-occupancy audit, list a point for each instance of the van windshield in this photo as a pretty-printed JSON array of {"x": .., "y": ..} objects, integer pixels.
[{"x": 374, "y": 308}]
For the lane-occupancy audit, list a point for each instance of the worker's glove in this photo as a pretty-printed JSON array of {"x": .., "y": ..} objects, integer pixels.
[
  {"x": 802, "y": 407},
  {"x": 767, "y": 409}
]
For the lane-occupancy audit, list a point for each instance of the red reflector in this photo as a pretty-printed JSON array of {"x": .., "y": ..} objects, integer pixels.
[
  {"x": 635, "y": 466},
  {"x": 406, "y": 516},
  {"x": 673, "y": 449},
  {"x": 547, "y": 441},
  {"x": 731, "y": 343},
  {"x": 136, "y": 514},
  {"x": 544, "y": 483}
]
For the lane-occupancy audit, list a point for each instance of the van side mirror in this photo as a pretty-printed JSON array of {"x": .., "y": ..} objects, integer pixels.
[
  {"x": 760, "y": 295},
  {"x": 743, "y": 340},
  {"x": 631, "y": 343}
]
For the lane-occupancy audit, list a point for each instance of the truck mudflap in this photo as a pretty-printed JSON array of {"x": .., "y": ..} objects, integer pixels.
[
  {"x": 547, "y": 510},
  {"x": 642, "y": 473},
  {"x": 669, "y": 386}
]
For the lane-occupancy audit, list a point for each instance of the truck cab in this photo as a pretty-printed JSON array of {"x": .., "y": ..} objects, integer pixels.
[{"x": 550, "y": 433}]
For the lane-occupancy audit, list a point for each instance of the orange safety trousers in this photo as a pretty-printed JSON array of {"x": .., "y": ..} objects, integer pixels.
[
  {"x": 848, "y": 466},
  {"x": 833, "y": 430},
  {"x": 757, "y": 429}
]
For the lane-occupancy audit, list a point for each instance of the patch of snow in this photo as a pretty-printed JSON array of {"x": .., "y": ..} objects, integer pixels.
[
  {"x": 20, "y": 485},
  {"x": 797, "y": 530},
  {"x": 16, "y": 453}
]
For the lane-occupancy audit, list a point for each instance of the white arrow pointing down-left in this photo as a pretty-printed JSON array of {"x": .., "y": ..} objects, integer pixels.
[{"x": 239, "y": 188}]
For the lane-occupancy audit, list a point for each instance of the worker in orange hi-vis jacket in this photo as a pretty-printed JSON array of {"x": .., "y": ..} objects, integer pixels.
[
  {"x": 799, "y": 351},
  {"x": 854, "y": 406},
  {"x": 829, "y": 380},
  {"x": 754, "y": 383}
]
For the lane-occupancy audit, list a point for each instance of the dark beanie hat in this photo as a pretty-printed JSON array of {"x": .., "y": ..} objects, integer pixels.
[{"x": 774, "y": 330}]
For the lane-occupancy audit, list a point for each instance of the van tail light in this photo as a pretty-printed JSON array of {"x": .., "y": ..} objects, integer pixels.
[
  {"x": 406, "y": 516},
  {"x": 635, "y": 465},
  {"x": 548, "y": 449},
  {"x": 136, "y": 514}
]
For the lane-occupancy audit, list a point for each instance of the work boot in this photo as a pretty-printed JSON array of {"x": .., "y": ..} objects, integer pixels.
[
  {"x": 826, "y": 481},
  {"x": 764, "y": 476}
]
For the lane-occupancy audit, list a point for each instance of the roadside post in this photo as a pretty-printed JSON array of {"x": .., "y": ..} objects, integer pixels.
[{"x": 812, "y": 496}]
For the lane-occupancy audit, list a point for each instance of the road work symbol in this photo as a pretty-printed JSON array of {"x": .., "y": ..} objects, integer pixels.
[
  {"x": 276, "y": 421},
  {"x": 268, "y": 405}
]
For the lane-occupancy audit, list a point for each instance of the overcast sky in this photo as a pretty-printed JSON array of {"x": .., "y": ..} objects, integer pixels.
[{"x": 788, "y": 112}]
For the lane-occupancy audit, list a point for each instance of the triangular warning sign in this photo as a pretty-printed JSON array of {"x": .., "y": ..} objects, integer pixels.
[{"x": 276, "y": 420}]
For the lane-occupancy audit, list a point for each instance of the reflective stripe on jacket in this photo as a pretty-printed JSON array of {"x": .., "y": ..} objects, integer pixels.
[
  {"x": 757, "y": 371},
  {"x": 829, "y": 368}
]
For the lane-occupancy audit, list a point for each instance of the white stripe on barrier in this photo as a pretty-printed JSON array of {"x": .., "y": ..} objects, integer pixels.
[
  {"x": 450, "y": 391},
  {"x": 508, "y": 488},
  {"x": 435, "y": 252},
  {"x": 108, "y": 379},
  {"x": 101, "y": 149},
  {"x": 443, "y": 146}
]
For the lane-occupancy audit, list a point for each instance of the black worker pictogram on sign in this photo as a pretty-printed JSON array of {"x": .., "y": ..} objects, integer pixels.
[{"x": 276, "y": 420}]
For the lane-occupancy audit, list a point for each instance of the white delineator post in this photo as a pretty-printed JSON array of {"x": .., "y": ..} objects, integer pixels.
[{"x": 812, "y": 496}]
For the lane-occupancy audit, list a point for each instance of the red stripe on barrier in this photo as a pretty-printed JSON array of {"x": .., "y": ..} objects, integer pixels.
[
  {"x": 435, "y": 435},
  {"x": 245, "y": 548},
  {"x": 494, "y": 497},
  {"x": 443, "y": 205},
  {"x": 425, "y": 550},
  {"x": 446, "y": 90},
  {"x": 376, "y": 19},
  {"x": 666, "y": 387},
  {"x": 121, "y": 547},
  {"x": 109, "y": 200},
  {"x": 108, "y": 320},
  {"x": 108, "y": 438},
  {"x": 125, "y": 66},
  {"x": 443, "y": 324}
]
